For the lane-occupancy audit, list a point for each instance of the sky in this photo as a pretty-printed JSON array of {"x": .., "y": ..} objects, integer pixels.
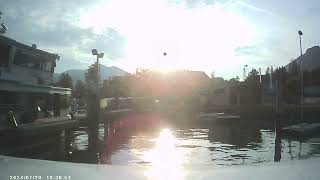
[{"x": 214, "y": 36}]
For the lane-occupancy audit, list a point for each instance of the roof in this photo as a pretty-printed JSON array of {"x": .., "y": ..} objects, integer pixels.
[
  {"x": 11, "y": 42},
  {"x": 194, "y": 75},
  {"x": 14, "y": 86}
]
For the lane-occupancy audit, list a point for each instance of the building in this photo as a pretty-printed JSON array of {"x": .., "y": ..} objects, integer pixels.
[{"x": 225, "y": 94}]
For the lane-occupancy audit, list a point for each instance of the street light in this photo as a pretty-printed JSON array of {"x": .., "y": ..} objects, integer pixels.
[
  {"x": 301, "y": 71},
  {"x": 244, "y": 72}
]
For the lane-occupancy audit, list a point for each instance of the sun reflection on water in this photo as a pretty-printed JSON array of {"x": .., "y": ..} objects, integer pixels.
[{"x": 165, "y": 159}]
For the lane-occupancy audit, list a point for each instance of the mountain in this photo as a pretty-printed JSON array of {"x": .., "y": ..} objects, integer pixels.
[
  {"x": 310, "y": 60},
  {"x": 105, "y": 73}
]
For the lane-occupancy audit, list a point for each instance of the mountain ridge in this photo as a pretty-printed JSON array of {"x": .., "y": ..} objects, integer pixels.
[{"x": 105, "y": 73}]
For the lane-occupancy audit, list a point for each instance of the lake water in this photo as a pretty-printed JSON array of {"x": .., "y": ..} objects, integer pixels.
[{"x": 153, "y": 141}]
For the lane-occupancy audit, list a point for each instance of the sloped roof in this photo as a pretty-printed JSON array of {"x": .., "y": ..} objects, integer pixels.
[{"x": 11, "y": 42}]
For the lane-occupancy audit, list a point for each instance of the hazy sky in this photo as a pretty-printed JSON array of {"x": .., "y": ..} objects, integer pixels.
[{"x": 209, "y": 35}]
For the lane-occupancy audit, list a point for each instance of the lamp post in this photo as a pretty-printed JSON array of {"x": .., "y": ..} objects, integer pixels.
[
  {"x": 301, "y": 72},
  {"x": 244, "y": 72},
  {"x": 94, "y": 108}
]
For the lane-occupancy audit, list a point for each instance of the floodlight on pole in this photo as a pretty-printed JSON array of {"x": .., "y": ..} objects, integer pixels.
[{"x": 95, "y": 52}]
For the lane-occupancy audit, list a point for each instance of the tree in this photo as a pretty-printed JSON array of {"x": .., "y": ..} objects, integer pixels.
[
  {"x": 65, "y": 81},
  {"x": 92, "y": 76},
  {"x": 267, "y": 71},
  {"x": 116, "y": 87},
  {"x": 253, "y": 72},
  {"x": 253, "y": 77},
  {"x": 234, "y": 80},
  {"x": 293, "y": 68},
  {"x": 251, "y": 90},
  {"x": 79, "y": 90}
]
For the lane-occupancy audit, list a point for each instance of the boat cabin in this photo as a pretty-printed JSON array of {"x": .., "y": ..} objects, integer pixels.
[{"x": 26, "y": 78}]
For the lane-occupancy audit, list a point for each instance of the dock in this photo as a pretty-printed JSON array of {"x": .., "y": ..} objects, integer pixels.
[
  {"x": 108, "y": 116},
  {"x": 217, "y": 118},
  {"x": 299, "y": 131},
  {"x": 39, "y": 126}
]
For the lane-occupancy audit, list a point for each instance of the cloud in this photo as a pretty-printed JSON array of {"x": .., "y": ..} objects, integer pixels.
[
  {"x": 53, "y": 26},
  {"x": 193, "y": 3},
  {"x": 246, "y": 50},
  {"x": 196, "y": 34},
  {"x": 254, "y": 8}
]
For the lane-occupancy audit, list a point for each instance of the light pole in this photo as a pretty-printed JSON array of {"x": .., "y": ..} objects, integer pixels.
[
  {"x": 94, "y": 108},
  {"x": 301, "y": 71},
  {"x": 244, "y": 72},
  {"x": 99, "y": 55}
]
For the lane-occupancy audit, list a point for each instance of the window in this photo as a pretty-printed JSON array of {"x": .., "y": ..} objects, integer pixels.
[
  {"x": 4, "y": 55},
  {"x": 26, "y": 59}
]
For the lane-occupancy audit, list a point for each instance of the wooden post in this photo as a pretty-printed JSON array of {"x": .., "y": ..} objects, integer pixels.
[
  {"x": 106, "y": 131},
  {"x": 277, "y": 143},
  {"x": 56, "y": 105},
  {"x": 93, "y": 118}
]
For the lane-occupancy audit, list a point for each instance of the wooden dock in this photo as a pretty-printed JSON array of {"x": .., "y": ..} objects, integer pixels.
[
  {"x": 40, "y": 126},
  {"x": 300, "y": 131},
  {"x": 218, "y": 118},
  {"x": 108, "y": 116}
]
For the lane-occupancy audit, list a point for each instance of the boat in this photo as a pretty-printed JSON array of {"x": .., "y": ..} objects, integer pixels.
[
  {"x": 217, "y": 118},
  {"x": 33, "y": 113},
  {"x": 300, "y": 131}
]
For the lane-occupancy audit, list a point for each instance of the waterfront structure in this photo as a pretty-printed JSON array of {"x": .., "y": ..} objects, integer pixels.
[
  {"x": 26, "y": 76},
  {"x": 32, "y": 111}
]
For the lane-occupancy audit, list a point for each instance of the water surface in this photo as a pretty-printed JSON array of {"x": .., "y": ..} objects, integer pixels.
[{"x": 153, "y": 141}]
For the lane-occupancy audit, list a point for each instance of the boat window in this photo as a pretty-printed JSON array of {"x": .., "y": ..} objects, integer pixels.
[
  {"x": 48, "y": 66},
  {"x": 219, "y": 91},
  {"x": 4, "y": 55},
  {"x": 25, "y": 59}
]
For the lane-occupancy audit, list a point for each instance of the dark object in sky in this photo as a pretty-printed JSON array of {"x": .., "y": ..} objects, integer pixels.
[
  {"x": 300, "y": 33},
  {"x": 164, "y": 53}
]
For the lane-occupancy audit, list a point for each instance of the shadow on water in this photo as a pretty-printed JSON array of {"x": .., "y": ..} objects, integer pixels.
[{"x": 240, "y": 137}]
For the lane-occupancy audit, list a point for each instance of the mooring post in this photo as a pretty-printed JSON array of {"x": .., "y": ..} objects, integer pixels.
[
  {"x": 93, "y": 119},
  {"x": 277, "y": 143},
  {"x": 106, "y": 132},
  {"x": 68, "y": 138}
]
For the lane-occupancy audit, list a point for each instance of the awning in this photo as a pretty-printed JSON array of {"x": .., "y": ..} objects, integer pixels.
[{"x": 14, "y": 86}]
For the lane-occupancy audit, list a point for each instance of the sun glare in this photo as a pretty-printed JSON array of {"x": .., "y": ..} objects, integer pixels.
[
  {"x": 202, "y": 38},
  {"x": 165, "y": 159}
]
